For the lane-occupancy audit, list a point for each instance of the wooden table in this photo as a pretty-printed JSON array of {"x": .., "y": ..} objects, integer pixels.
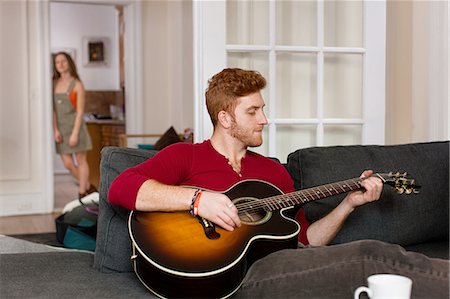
[{"x": 103, "y": 133}]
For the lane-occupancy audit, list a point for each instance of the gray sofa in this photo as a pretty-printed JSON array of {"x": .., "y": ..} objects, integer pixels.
[{"x": 418, "y": 222}]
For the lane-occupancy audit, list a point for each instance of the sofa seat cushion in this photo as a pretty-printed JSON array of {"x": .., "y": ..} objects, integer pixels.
[{"x": 400, "y": 219}]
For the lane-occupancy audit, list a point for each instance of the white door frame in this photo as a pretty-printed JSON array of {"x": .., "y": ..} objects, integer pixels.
[{"x": 209, "y": 45}]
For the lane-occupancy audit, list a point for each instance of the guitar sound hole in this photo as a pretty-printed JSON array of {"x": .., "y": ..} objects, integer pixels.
[{"x": 250, "y": 212}]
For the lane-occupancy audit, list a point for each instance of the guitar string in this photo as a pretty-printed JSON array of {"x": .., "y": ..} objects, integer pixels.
[
  {"x": 307, "y": 195},
  {"x": 298, "y": 197}
]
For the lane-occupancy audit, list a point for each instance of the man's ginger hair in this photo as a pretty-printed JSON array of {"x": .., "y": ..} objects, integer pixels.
[{"x": 225, "y": 87}]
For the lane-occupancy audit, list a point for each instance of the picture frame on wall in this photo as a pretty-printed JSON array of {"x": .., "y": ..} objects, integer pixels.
[{"x": 96, "y": 51}]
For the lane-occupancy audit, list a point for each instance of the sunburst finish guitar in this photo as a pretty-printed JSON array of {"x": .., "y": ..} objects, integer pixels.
[{"x": 177, "y": 255}]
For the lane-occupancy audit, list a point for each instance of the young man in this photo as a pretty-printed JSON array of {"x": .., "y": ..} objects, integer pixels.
[{"x": 235, "y": 106}]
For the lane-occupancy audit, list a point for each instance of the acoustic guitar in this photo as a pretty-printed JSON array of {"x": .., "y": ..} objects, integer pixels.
[{"x": 178, "y": 255}]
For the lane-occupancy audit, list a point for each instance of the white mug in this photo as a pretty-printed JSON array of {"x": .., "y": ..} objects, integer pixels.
[{"x": 386, "y": 286}]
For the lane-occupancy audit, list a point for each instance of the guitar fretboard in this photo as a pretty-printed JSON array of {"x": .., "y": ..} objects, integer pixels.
[
  {"x": 398, "y": 181},
  {"x": 311, "y": 194},
  {"x": 300, "y": 197}
]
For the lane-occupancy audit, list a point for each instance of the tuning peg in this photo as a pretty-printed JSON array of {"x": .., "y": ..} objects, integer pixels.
[{"x": 400, "y": 190}]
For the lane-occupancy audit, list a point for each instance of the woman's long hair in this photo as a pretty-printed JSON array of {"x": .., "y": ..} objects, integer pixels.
[{"x": 72, "y": 67}]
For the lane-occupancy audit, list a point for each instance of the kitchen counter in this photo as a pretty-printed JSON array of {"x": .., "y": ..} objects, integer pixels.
[{"x": 91, "y": 119}]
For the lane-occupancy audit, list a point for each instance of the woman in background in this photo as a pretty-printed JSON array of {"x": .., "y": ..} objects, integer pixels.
[{"x": 71, "y": 135}]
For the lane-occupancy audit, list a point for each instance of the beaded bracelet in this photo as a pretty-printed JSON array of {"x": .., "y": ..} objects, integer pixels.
[{"x": 194, "y": 198}]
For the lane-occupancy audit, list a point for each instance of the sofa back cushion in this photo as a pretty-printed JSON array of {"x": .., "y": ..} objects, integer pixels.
[
  {"x": 113, "y": 248},
  {"x": 400, "y": 219}
]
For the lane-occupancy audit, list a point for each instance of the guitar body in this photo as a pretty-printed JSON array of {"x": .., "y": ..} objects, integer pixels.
[{"x": 175, "y": 254}]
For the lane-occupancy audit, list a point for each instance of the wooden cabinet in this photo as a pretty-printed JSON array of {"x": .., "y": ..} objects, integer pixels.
[{"x": 103, "y": 133}]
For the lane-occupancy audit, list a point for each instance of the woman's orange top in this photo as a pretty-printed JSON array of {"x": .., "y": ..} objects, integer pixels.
[{"x": 73, "y": 99}]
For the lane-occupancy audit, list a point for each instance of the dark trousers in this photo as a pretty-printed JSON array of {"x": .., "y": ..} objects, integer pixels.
[{"x": 336, "y": 271}]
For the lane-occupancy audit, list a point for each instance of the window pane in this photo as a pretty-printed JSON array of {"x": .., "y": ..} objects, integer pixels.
[
  {"x": 248, "y": 22},
  {"x": 342, "y": 135},
  {"x": 257, "y": 61},
  {"x": 292, "y": 137},
  {"x": 296, "y": 85},
  {"x": 343, "y": 23},
  {"x": 343, "y": 86},
  {"x": 296, "y": 23}
]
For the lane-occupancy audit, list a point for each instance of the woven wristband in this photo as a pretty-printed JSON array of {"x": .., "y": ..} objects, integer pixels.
[{"x": 194, "y": 197}]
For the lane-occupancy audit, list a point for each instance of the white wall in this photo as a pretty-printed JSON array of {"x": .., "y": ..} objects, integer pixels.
[
  {"x": 168, "y": 66},
  {"x": 70, "y": 23},
  {"x": 417, "y": 97}
]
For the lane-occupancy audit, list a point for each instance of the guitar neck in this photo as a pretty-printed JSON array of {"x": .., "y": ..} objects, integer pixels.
[
  {"x": 398, "y": 181},
  {"x": 311, "y": 194},
  {"x": 315, "y": 193}
]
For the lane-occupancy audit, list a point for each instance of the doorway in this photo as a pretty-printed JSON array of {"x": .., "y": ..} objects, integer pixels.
[{"x": 71, "y": 24}]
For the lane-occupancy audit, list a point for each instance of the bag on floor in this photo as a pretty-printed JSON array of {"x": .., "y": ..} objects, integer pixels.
[{"x": 76, "y": 228}]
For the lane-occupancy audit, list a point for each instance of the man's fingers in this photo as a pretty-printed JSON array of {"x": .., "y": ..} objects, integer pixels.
[
  {"x": 229, "y": 220},
  {"x": 224, "y": 224}
]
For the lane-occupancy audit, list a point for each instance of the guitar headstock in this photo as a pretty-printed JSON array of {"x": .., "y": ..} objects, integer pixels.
[{"x": 400, "y": 182}]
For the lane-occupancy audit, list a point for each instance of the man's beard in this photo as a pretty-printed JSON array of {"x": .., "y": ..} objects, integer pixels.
[{"x": 245, "y": 136}]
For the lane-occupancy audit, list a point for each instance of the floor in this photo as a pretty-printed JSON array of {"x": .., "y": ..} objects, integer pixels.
[{"x": 66, "y": 190}]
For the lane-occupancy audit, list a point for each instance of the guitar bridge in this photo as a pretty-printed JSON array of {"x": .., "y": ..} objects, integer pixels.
[{"x": 209, "y": 228}]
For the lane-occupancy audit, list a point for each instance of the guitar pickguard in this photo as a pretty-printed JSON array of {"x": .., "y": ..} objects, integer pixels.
[{"x": 209, "y": 228}]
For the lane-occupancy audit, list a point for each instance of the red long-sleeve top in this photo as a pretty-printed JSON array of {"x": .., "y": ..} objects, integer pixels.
[{"x": 200, "y": 165}]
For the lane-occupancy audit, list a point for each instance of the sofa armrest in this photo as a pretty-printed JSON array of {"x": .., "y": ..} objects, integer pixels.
[{"x": 113, "y": 247}]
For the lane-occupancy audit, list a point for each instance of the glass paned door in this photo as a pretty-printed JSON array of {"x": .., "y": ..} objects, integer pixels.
[{"x": 324, "y": 62}]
